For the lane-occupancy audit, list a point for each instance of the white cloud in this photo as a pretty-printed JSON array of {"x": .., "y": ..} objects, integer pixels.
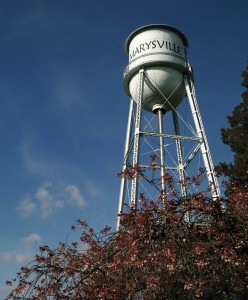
[
  {"x": 31, "y": 240},
  {"x": 27, "y": 245},
  {"x": 75, "y": 195},
  {"x": 50, "y": 198},
  {"x": 27, "y": 207},
  {"x": 48, "y": 202},
  {"x": 19, "y": 257},
  {"x": 24, "y": 251},
  {"x": 23, "y": 257}
]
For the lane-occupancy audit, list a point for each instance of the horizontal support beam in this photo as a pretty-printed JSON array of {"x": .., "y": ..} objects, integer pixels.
[
  {"x": 154, "y": 167},
  {"x": 172, "y": 136}
]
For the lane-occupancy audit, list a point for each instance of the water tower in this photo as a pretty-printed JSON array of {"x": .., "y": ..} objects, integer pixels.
[{"x": 157, "y": 79}]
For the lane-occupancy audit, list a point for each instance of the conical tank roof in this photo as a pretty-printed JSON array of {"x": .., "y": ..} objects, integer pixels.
[{"x": 155, "y": 26}]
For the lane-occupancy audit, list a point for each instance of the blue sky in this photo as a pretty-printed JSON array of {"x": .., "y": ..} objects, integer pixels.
[{"x": 64, "y": 111}]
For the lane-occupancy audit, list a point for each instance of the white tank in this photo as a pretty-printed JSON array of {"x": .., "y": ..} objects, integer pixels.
[{"x": 161, "y": 51}]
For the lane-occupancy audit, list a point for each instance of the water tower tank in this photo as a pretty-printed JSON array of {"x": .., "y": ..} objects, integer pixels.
[{"x": 161, "y": 51}]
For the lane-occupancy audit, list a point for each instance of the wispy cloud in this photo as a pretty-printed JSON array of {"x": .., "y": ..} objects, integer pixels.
[
  {"x": 32, "y": 164},
  {"x": 31, "y": 240},
  {"x": 47, "y": 201},
  {"x": 24, "y": 250},
  {"x": 27, "y": 206},
  {"x": 23, "y": 257},
  {"x": 50, "y": 198},
  {"x": 18, "y": 255},
  {"x": 75, "y": 195},
  {"x": 68, "y": 92},
  {"x": 93, "y": 189},
  {"x": 39, "y": 160}
]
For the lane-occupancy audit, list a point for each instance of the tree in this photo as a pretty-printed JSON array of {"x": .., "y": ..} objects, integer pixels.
[
  {"x": 175, "y": 249},
  {"x": 237, "y": 138}
]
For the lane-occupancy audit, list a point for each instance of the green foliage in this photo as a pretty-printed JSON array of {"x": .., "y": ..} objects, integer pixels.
[{"x": 237, "y": 138}]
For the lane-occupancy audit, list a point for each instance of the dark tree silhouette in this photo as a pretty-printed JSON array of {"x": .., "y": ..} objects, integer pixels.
[{"x": 237, "y": 138}]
